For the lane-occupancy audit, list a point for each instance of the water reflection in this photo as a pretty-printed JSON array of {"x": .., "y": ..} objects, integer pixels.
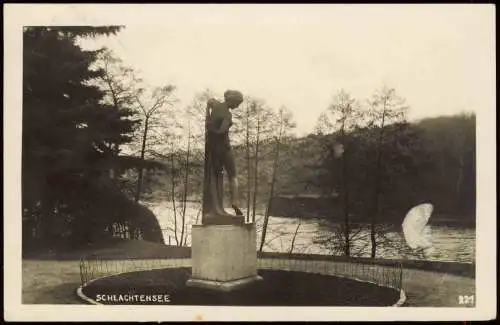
[{"x": 314, "y": 236}]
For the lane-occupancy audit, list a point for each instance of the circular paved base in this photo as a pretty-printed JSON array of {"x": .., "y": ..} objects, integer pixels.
[{"x": 278, "y": 288}]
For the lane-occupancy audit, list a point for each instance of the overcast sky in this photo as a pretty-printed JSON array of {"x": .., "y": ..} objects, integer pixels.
[{"x": 440, "y": 58}]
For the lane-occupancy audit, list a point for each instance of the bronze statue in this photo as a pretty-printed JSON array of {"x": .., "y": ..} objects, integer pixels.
[{"x": 219, "y": 157}]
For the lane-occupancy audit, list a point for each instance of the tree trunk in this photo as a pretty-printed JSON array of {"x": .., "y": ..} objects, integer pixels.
[
  {"x": 294, "y": 236},
  {"x": 378, "y": 172},
  {"x": 345, "y": 191},
  {"x": 198, "y": 216},
  {"x": 271, "y": 193},
  {"x": 248, "y": 163},
  {"x": 256, "y": 172},
  {"x": 186, "y": 179},
  {"x": 143, "y": 151},
  {"x": 116, "y": 147},
  {"x": 172, "y": 169},
  {"x": 207, "y": 204}
]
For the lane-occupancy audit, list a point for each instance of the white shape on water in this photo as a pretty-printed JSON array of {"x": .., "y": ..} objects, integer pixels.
[{"x": 415, "y": 229}]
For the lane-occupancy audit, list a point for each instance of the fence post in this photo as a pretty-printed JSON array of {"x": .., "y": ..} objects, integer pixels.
[
  {"x": 90, "y": 274},
  {"x": 81, "y": 271},
  {"x": 400, "y": 276}
]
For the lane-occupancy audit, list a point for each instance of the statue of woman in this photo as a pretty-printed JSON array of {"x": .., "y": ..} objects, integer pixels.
[{"x": 220, "y": 154}]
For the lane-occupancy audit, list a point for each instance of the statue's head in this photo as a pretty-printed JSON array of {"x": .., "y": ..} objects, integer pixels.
[{"x": 233, "y": 98}]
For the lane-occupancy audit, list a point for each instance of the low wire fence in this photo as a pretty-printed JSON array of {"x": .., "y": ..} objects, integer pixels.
[
  {"x": 95, "y": 267},
  {"x": 387, "y": 274}
]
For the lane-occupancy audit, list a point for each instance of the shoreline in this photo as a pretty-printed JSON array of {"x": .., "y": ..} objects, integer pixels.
[{"x": 133, "y": 250}]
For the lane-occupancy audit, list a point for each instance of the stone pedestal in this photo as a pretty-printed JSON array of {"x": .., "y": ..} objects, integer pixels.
[{"x": 224, "y": 257}]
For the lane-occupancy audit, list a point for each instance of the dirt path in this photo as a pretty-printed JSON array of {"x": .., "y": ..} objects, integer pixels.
[{"x": 55, "y": 282}]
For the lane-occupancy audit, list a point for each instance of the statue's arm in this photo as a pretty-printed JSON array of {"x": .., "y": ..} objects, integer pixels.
[
  {"x": 211, "y": 103},
  {"x": 208, "y": 116},
  {"x": 224, "y": 126},
  {"x": 218, "y": 113}
]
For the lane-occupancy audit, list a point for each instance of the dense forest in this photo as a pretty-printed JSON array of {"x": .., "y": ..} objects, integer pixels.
[
  {"x": 436, "y": 165},
  {"x": 98, "y": 142}
]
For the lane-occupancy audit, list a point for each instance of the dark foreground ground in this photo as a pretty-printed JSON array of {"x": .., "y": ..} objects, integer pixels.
[{"x": 278, "y": 288}]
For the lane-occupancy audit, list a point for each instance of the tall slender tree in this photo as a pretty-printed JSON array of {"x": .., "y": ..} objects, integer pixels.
[
  {"x": 386, "y": 108},
  {"x": 152, "y": 105},
  {"x": 121, "y": 86},
  {"x": 283, "y": 125},
  {"x": 341, "y": 117}
]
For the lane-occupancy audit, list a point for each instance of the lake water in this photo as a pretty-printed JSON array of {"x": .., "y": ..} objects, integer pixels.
[{"x": 452, "y": 244}]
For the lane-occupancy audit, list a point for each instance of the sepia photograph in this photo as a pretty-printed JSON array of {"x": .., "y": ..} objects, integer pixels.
[{"x": 216, "y": 162}]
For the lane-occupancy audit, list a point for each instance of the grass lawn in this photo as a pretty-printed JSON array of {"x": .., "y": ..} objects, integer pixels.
[{"x": 50, "y": 282}]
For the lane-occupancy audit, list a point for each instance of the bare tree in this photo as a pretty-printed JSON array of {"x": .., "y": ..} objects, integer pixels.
[
  {"x": 186, "y": 180},
  {"x": 118, "y": 81},
  {"x": 295, "y": 236},
  {"x": 250, "y": 106},
  {"x": 151, "y": 104},
  {"x": 386, "y": 107},
  {"x": 341, "y": 117},
  {"x": 283, "y": 127},
  {"x": 194, "y": 132},
  {"x": 189, "y": 131},
  {"x": 249, "y": 135},
  {"x": 256, "y": 168},
  {"x": 120, "y": 85},
  {"x": 172, "y": 192}
]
